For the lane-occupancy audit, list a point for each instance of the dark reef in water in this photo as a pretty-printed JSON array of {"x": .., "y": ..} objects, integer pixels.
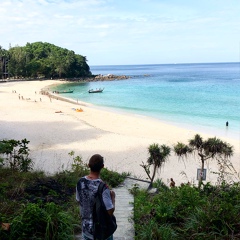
[{"x": 99, "y": 77}]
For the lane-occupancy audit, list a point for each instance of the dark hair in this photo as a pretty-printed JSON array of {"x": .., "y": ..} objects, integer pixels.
[{"x": 96, "y": 163}]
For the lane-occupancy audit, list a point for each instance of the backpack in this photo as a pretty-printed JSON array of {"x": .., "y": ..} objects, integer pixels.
[{"x": 104, "y": 225}]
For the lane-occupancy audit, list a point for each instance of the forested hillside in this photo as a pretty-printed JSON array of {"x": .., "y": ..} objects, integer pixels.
[{"x": 42, "y": 60}]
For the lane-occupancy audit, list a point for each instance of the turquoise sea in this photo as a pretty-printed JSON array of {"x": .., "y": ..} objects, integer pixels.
[{"x": 196, "y": 96}]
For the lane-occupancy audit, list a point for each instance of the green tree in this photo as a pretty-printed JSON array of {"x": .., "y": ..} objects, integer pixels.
[
  {"x": 3, "y": 62},
  {"x": 47, "y": 60},
  {"x": 17, "y": 64},
  {"x": 212, "y": 148},
  {"x": 158, "y": 156}
]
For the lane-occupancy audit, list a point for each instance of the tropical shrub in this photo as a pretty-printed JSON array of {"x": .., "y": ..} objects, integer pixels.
[
  {"x": 212, "y": 148},
  {"x": 187, "y": 212},
  {"x": 16, "y": 154},
  {"x": 158, "y": 155},
  {"x": 42, "y": 222},
  {"x": 112, "y": 178}
]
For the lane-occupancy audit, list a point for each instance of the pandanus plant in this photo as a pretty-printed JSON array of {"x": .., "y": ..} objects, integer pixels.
[
  {"x": 158, "y": 156},
  {"x": 212, "y": 148}
]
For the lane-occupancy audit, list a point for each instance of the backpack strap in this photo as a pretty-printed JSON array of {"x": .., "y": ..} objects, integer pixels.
[
  {"x": 104, "y": 224},
  {"x": 101, "y": 186}
]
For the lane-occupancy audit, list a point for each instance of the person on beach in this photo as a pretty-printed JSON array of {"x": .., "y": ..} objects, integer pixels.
[
  {"x": 86, "y": 192},
  {"x": 172, "y": 183},
  {"x": 227, "y": 124}
]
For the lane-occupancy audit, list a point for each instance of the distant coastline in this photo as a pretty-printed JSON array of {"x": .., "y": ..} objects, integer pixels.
[{"x": 98, "y": 77}]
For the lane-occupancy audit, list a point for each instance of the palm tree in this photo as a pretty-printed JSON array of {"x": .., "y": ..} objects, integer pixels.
[
  {"x": 212, "y": 148},
  {"x": 158, "y": 156}
]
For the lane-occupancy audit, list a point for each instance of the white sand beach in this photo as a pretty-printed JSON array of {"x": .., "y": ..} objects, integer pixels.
[{"x": 54, "y": 129}]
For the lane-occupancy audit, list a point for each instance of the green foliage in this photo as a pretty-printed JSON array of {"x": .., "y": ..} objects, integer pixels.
[
  {"x": 16, "y": 154},
  {"x": 218, "y": 217},
  {"x": 3, "y": 62},
  {"x": 77, "y": 164},
  {"x": 182, "y": 149},
  {"x": 159, "y": 184},
  {"x": 40, "y": 206},
  {"x": 46, "y": 60},
  {"x": 150, "y": 216},
  {"x": 212, "y": 148},
  {"x": 154, "y": 231},
  {"x": 1, "y": 162},
  {"x": 188, "y": 212},
  {"x": 68, "y": 178},
  {"x": 158, "y": 156},
  {"x": 42, "y": 222},
  {"x": 112, "y": 178}
]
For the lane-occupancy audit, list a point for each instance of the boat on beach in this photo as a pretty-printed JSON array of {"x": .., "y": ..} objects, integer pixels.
[
  {"x": 95, "y": 91},
  {"x": 70, "y": 91}
]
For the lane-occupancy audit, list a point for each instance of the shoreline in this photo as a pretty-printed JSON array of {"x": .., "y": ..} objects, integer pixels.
[
  {"x": 54, "y": 129},
  {"x": 229, "y": 134}
]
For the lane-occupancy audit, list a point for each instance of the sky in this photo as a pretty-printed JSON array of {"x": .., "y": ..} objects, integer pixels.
[{"x": 122, "y": 32}]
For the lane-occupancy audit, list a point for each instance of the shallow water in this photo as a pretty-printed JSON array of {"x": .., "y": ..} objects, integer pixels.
[{"x": 196, "y": 96}]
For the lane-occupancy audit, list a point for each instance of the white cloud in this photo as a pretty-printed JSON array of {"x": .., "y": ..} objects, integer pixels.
[{"x": 90, "y": 27}]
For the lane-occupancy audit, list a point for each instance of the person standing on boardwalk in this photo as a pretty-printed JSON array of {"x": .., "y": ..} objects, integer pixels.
[{"x": 86, "y": 191}]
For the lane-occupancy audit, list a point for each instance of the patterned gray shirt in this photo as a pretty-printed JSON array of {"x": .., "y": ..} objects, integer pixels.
[{"x": 86, "y": 199}]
